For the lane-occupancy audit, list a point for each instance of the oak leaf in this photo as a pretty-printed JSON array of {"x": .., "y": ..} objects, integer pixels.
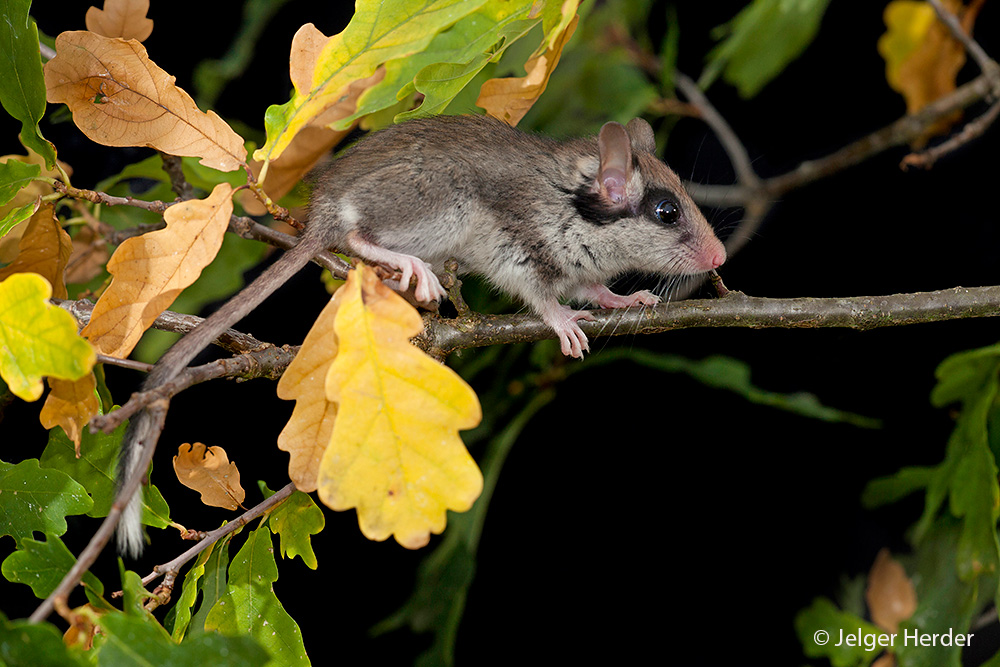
[
  {"x": 149, "y": 271},
  {"x": 394, "y": 453},
  {"x": 119, "y": 97},
  {"x": 208, "y": 471},
  {"x": 44, "y": 249},
  {"x": 29, "y": 193},
  {"x": 316, "y": 138},
  {"x": 890, "y": 594},
  {"x": 71, "y": 404},
  {"x": 378, "y": 32},
  {"x": 36, "y": 338},
  {"x": 510, "y": 98},
  {"x": 922, "y": 58},
  {"x": 307, "y": 433},
  {"x": 121, "y": 18}
]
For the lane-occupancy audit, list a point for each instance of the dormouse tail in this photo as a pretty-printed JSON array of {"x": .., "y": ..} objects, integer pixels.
[{"x": 142, "y": 431}]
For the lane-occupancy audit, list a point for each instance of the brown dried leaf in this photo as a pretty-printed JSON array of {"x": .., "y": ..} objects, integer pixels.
[
  {"x": 208, "y": 471},
  {"x": 510, "y": 98},
  {"x": 307, "y": 433},
  {"x": 90, "y": 254},
  {"x": 82, "y": 628},
  {"x": 890, "y": 594},
  {"x": 44, "y": 249},
  {"x": 930, "y": 71},
  {"x": 70, "y": 404},
  {"x": 32, "y": 191},
  {"x": 149, "y": 271},
  {"x": 119, "y": 97},
  {"x": 121, "y": 18}
]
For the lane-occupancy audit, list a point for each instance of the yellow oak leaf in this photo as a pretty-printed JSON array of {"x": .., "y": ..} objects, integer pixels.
[
  {"x": 208, "y": 471},
  {"x": 121, "y": 18},
  {"x": 70, "y": 404},
  {"x": 149, "y": 271},
  {"x": 510, "y": 98},
  {"x": 119, "y": 97},
  {"x": 44, "y": 249},
  {"x": 890, "y": 594},
  {"x": 922, "y": 58},
  {"x": 394, "y": 454},
  {"x": 36, "y": 338},
  {"x": 307, "y": 433}
]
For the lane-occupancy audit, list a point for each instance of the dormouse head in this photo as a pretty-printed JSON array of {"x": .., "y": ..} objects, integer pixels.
[{"x": 637, "y": 191}]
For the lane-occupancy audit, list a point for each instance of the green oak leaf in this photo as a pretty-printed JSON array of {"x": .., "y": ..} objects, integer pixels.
[
  {"x": 37, "y": 338},
  {"x": 295, "y": 520},
  {"x": 761, "y": 41},
  {"x": 95, "y": 470},
  {"x": 42, "y": 565},
  {"x": 131, "y": 640},
  {"x": 822, "y": 616},
  {"x": 179, "y": 617},
  {"x": 22, "y": 84},
  {"x": 34, "y": 498},
  {"x": 27, "y": 644},
  {"x": 378, "y": 32},
  {"x": 14, "y": 175},
  {"x": 16, "y": 216},
  {"x": 214, "y": 585},
  {"x": 250, "y": 606}
]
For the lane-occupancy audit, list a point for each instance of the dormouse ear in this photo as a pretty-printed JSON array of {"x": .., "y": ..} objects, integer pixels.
[
  {"x": 616, "y": 162},
  {"x": 642, "y": 135}
]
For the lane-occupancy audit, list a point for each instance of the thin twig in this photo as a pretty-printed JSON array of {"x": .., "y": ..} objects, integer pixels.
[
  {"x": 898, "y": 133},
  {"x": 174, "y": 167},
  {"x": 60, "y": 595},
  {"x": 972, "y": 130},
  {"x": 124, "y": 363},
  {"x": 962, "y": 33},
  {"x": 174, "y": 566},
  {"x": 269, "y": 362}
]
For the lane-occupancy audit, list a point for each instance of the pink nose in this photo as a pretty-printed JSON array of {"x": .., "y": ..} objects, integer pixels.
[{"x": 716, "y": 254}]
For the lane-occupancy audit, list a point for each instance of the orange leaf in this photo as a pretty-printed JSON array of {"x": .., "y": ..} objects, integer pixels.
[
  {"x": 890, "y": 594},
  {"x": 70, "y": 404},
  {"x": 44, "y": 249},
  {"x": 119, "y": 97},
  {"x": 121, "y": 18},
  {"x": 509, "y": 99},
  {"x": 151, "y": 270},
  {"x": 208, "y": 471},
  {"x": 922, "y": 57},
  {"x": 307, "y": 433}
]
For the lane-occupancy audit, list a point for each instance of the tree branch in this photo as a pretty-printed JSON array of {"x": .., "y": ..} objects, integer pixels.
[
  {"x": 173, "y": 567},
  {"x": 268, "y": 362},
  {"x": 737, "y": 310}
]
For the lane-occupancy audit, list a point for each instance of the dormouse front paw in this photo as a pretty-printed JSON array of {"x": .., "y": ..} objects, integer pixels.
[{"x": 605, "y": 298}]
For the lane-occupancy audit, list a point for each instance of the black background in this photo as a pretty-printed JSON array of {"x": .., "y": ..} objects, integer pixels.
[{"x": 641, "y": 515}]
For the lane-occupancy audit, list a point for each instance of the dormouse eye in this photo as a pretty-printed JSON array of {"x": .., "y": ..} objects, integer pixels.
[{"x": 668, "y": 212}]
